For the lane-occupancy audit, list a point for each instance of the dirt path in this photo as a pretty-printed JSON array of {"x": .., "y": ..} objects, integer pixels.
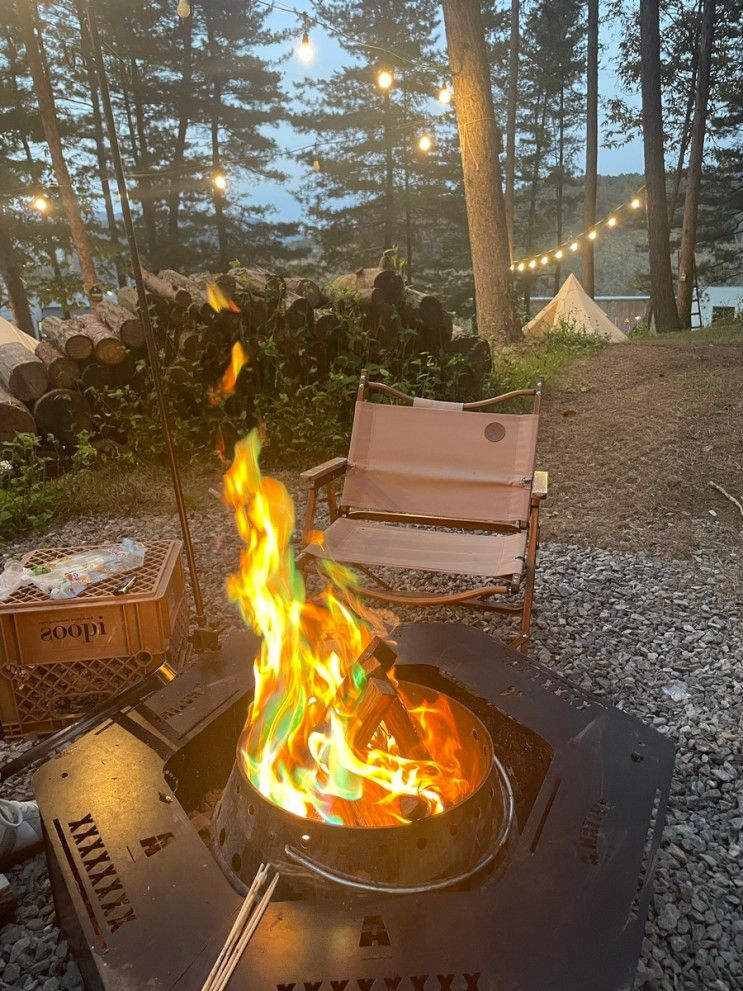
[{"x": 633, "y": 437}]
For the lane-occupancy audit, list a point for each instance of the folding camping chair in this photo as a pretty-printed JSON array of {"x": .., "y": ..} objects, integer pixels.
[{"x": 450, "y": 467}]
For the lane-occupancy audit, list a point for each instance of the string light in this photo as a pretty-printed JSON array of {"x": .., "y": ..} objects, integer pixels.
[
  {"x": 513, "y": 267},
  {"x": 219, "y": 180},
  {"x": 183, "y": 9},
  {"x": 612, "y": 220},
  {"x": 385, "y": 79},
  {"x": 425, "y": 143},
  {"x": 305, "y": 50},
  {"x": 445, "y": 95},
  {"x": 41, "y": 204}
]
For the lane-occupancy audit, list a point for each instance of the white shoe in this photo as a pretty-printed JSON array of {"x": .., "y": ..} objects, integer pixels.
[{"x": 20, "y": 831}]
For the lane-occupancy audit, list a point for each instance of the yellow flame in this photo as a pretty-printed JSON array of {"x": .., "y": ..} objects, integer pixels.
[
  {"x": 298, "y": 745},
  {"x": 219, "y": 300},
  {"x": 228, "y": 382}
]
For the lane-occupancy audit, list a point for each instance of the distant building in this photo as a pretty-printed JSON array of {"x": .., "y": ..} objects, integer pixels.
[{"x": 718, "y": 304}]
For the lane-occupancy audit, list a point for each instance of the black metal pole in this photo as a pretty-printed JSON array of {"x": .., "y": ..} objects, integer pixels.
[{"x": 204, "y": 638}]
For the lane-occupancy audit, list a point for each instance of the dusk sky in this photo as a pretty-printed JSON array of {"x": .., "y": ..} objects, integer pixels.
[{"x": 329, "y": 55}]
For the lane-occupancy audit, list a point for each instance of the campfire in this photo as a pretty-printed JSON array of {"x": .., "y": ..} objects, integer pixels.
[{"x": 331, "y": 735}]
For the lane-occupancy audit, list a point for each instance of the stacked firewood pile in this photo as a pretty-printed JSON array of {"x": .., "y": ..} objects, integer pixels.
[{"x": 47, "y": 386}]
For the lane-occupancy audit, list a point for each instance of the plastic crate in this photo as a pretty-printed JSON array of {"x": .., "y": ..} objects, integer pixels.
[{"x": 59, "y": 657}]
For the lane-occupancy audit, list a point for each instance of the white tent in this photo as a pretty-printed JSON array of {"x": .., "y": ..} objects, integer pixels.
[{"x": 572, "y": 305}]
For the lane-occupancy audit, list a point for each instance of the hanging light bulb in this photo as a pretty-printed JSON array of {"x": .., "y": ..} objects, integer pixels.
[
  {"x": 533, "y": 263},
  {"x": 559, "y": 253},
  {"x": 545, "y": 259},
  {"x": 445, "y": 94},
  {"x": 41, "y": 204},
  {"x": 316, "y": 164},
  {"x": 513, "y": 267},
  {"x": 385, "y": 79},
  {"x": 635, "y": 203},
  {"x": 611, "y": 222},
  {"x": 521, "y": 266},
  {"x": 219, "y": 180},
  {"x": 425, "y": 143},
  {"x": 574, "y": 246},
  {"x": 305, "y": 49},
  {"x": 183, "y": 9},
  {"x": 592, "y": 235}
]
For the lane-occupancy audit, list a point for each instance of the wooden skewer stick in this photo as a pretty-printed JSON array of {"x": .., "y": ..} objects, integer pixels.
[
  {"x": 231, "y": 963},
  {"x": 237, "y": 927}
]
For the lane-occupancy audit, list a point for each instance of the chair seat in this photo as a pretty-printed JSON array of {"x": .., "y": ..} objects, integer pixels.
[{"x": 389, "y": 546}]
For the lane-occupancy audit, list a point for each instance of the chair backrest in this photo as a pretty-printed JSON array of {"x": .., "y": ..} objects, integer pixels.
[{"x": 441, "y": 462}]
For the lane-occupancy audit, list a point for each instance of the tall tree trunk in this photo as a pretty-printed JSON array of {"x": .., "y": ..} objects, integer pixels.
[
  {"x": 662, "y": 300},
  {"x": 513, "y": 87},
  {"x": 406, "y": 193},
  {"x": 216, "y": 113},
  {"x": 540, "y": 120},
  {"x": 11, "y": 273},
  {"x": 560, "y": 180},
  {"x": 389, "y": 172},
  {"x": 100, "y": 144},
  {"x": 696, "y": 157},
  {"x": 483, "y": 191},
  {"x": 145, "y": 160},
  {"x": 27, "y": 16},
  {"x": 592, "y": 142},
  {"x": 174, "y": 197},
  {"x": 686, "y": 126}
]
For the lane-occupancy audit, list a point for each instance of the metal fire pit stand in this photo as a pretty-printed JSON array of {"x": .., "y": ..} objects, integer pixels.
[
  {"x": 203, "y": 637},
  {"x": 145, "y": 904}
]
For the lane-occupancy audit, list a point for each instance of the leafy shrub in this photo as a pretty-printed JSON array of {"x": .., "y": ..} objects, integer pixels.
[{"x": 27, "y": 501}]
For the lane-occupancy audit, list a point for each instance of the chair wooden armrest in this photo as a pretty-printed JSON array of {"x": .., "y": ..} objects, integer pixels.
[
  {"x": 539, "y": 485},
  {"x": 315, "y": 478}
]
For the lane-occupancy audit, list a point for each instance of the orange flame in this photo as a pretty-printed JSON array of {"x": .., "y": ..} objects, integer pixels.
[
  {"x": 298, "y": 745},
  {"x": 219, "y": 300},
  {"x": 227, "y": 385}
]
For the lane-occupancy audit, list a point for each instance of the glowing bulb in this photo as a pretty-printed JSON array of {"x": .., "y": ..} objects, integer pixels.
[
  {"x": 521, "y": 266},
  {"x": 592, "y": 235},
  {"x": 219, "y": 181},
  {"x": 635, "y": 203},
  {"x": 574, "y": 246},
  {"x": 385, "y": 79},
  {"x": 183, "y": 9},
  {"x": 545, "y": 259},
  {"x": 559, "y": 253},
  {"x": 425, "y": 142},
  {"x": 533, "y": 263},
  {"x": 513, "y": 267},
  {"x": 612, "y": 222},
  {"x": 316, "y": 165},
  {"x": 40, "y": 203},
  {"x": 444, "y": 95},
  {"x": 305, "y": 49}
]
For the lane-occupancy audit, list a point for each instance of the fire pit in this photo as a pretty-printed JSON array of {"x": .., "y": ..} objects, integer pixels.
[
  {"x": 432, "y": 852},
  {"x": 146, "y": 903}
]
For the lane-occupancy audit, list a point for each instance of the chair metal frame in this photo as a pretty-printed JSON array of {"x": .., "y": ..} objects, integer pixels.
[{"x": 326, "y": 476}]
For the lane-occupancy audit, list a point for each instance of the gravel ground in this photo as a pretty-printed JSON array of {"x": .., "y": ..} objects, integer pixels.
[{"x": 657, "y": 638}]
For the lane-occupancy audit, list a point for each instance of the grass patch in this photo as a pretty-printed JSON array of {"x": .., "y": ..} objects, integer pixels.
[
  {"x": 718, "y": 333},
  {"x": 523, "y": 366}
]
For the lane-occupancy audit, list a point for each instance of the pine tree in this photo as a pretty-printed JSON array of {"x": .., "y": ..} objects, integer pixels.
[{"x": 347, "y": 197}]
